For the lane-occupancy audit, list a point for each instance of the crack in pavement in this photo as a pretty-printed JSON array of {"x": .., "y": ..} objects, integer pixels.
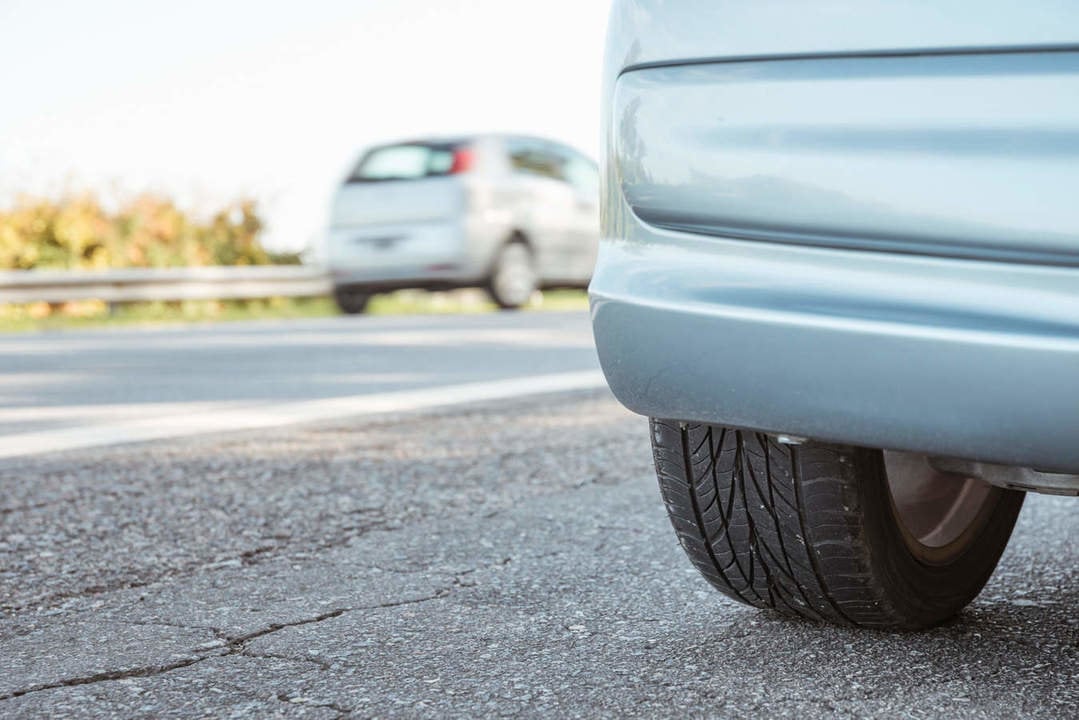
[
  {"x": 245, "y": 558},
  {"x": 376, "y": 521},
  {"x": 145, "y": 671},
  {"x": 230, "y": 645},
  {"x": 48, "y": 602},
  {"x": 237, "y": 643}
]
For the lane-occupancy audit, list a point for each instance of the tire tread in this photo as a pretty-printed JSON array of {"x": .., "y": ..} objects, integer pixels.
[{"x": 759, "y": 532}]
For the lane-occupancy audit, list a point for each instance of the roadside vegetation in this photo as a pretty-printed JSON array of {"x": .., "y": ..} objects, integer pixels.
[{"x": 80, "y": 232}]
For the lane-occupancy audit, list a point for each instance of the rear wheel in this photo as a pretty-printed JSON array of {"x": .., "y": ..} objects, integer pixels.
[
  {"x": 830, "y": 532},
  {"x": 513, "y": 279},
  {"x": 351, "y": 302}
]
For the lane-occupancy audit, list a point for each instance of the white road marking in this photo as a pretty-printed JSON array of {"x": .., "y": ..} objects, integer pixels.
[
  {"x": 26, "y": 379},
  {"x": 544, "y": 337},
  {"x": 72, "y": 414},
  {"x": 288, "y": 413}
]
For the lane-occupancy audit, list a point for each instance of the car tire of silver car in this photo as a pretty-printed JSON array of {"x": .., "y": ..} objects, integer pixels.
[
  {"x": 513, "y": 279},
  {"x": 821, "y": 531},
  {"x": 351, "y": 302}
]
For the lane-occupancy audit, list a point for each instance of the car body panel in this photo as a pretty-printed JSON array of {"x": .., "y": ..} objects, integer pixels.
[
  {"x": 648, "y": 32},
  {"x": 892, "y": 153},
  {"x": 749, "y": 298},
  {"x": 955, "y": 357}
]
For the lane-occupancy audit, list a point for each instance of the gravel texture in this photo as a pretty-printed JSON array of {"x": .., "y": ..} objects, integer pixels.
[{"x": 499, "y": 560}]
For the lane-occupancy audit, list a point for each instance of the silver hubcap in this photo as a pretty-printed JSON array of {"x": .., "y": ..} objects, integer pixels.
[
  {"x": 515, "y": 279},
  {"x": 934, "y": 508}
]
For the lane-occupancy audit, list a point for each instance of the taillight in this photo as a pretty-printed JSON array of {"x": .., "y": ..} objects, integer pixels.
[{"x": 462, "y": 161}]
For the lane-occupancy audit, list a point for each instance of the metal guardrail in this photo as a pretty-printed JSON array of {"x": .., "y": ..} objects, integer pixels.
[{"x": 202, "y": 283}]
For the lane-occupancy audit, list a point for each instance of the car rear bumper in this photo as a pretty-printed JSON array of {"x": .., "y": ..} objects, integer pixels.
[
  {"x": 430, "y": 254},
  {"x": 954, "y": 357},
  {"x": 437, "y": 277},
  {"x": 870, "y": 243},
  {"x": 365, "y": 285}
]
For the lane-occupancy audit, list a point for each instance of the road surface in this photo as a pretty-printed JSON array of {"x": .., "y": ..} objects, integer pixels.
[
  {"x": 509, "y": 557},
  {"x": 82, "y": 389}
]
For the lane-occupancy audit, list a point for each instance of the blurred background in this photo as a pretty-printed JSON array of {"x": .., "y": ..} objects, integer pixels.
[{"x": 216, "y": 133}]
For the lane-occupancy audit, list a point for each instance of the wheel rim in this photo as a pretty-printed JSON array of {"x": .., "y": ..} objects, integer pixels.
[
  {"x": 515, "y": 279},
  {"x": 939, "y": 513}
]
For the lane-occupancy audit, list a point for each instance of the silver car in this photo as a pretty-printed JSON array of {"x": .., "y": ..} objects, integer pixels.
[
  {"x": 840, "y": 272},
  {"x": 512, "y": 214}
]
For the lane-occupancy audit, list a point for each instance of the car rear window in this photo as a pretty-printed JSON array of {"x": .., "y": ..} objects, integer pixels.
[{"x": 409, "y": 161}]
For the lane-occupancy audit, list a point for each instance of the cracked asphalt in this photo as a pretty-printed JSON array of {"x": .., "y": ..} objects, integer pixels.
[{"x": 502, "y": 559}]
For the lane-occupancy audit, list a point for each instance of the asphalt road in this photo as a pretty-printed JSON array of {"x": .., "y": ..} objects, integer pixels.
[
  {"x": 505, "y": 558},
  {"x": 77, "y": 389}
]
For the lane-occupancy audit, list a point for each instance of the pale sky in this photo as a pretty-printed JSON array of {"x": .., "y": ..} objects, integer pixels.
[{"x": 210, "y": 100}]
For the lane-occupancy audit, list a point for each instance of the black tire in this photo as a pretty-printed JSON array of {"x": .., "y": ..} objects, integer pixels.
[
  {"x": 515, "y": 259},
  {"x": 812, "y": 531},
  {"x": 351, "y": 302}
]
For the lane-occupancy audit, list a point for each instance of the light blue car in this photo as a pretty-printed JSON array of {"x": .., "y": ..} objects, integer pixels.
[{"x": 840, "y": 272}]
